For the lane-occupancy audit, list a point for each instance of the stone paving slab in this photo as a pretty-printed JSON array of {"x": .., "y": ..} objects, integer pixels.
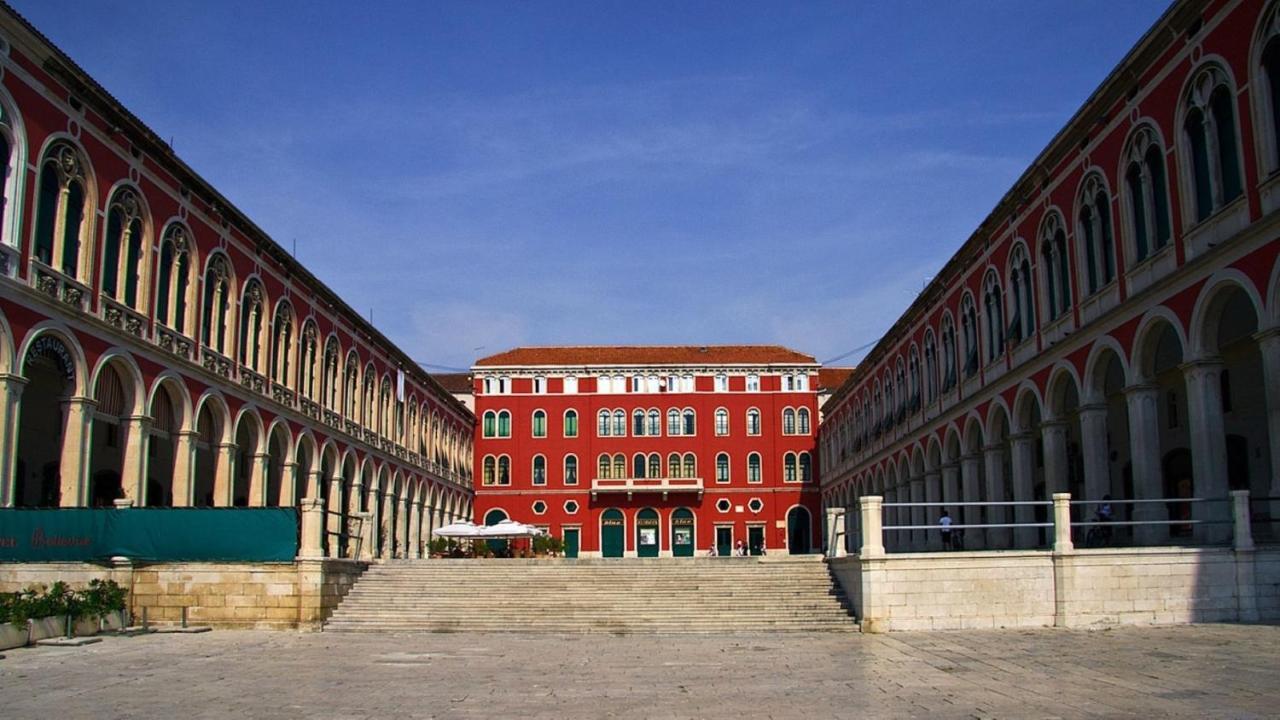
[{"x": 1196, "y": 671}]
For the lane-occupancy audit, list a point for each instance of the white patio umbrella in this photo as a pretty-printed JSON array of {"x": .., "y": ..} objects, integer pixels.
[
  {"x": 462, "y": 529},
  {"x": 509, "y": 529}
]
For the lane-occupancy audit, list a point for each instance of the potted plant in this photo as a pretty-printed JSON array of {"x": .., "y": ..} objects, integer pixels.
[
  {"x": 13, "y": 629},
  {"x": 439, "y": 547},
  {"x": 103, "y": 606}
]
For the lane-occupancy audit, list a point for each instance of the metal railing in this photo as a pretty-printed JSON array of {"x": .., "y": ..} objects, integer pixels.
[{"x": 1061, "y": 524}]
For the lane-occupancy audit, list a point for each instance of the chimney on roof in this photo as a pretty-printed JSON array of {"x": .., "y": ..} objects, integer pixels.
[{"x": 702, "y": 349}]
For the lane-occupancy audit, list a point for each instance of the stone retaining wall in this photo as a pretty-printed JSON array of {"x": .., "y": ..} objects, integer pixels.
[
  {"x": 296, "y": 595},
  {"x": 998, "y": 589}
]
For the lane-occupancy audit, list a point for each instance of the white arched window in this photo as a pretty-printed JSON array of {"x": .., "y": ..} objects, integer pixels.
[
  {"x": 674, "y": 426},
  {"x": 308, "y": 357},
  {"x": 802, "y": 421},
  {"x": 251, "y": 326},
  {"x": 329, "y": 374},
  {"x": 722, "y": 468},
  {"x": 124, "y": 249},
  {"x": 788, "y": 421},
  {"x": 722, "y": 421},
  {"x": 753, "y": 422},
  {"x": 1212, "y": 163},
  {"x": 1094, "y": 233},
  {"x": 217, "y": 302},
  {"x": 281, "y": 345},
  {"x": 655, "y": 423},
  {"x": 62, "y": 235},
  {"x": 174, "y": 279},
  {"x": 1055, "y": 267},
  {"x": 603, "y": 425},
  {"x": 637, "y": 423},
  {"x": 930, "y": 366},
  {"x": 1022, "y": 325},
  {"x": 619, "y": 423},
  {"x": 993, "y": 314},
  {"x": 1146, "y": 195},
  {"x": 969, "y": 330},
  {"x": 949, "y": 355},
  {"x": 753, "y": 468}
]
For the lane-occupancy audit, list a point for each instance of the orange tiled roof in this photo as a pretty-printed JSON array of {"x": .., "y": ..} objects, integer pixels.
[
  {"x": 831, "y": 378},
  {"x": 454, "y": 382},
  {"x": 647, "y": 355}
]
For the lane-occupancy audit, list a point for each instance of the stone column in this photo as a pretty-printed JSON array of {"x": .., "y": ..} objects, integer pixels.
[
  {"x": 402, "y": 529},
  {"x": 1142, "y": 402},
  {"x": 312, "y": 510},
  {"x": 1023, "y": 458},
  {"x": 993, "y": 466},
  {"x": 1240, "y": 520},
  {"x": 1269, "y": 346},
  {"x": 1093, "y": 446},
  {"x": 1062, "y": 523},
  {"x": 367, "y": 536},
  {"x": 258, "y": 480},
  {"x": 184, "y": 468},
  {"x": 415, "y": 530},
  {"x": 333, "y": 515},
  {"x": 952, "y": 488},
  {"x": 1208, "y": 446},
  {"x": 133, "y": 475},
  {"x": 224, "y": 475},
  {"x": 970, "y": 491},
  {"x": 1054, "y": 435},
  {"x": 387, "y": 550},
  {"x": 918, "y": 516},
  {"x": 11, "y": 387},
  {"x": 74, "y": 464},
  {"x": 289, "y": 485},
  {"x": 934, "y": 491},
  {"x": 872, "y": 534},
  {"x": 835, "y": 532}
]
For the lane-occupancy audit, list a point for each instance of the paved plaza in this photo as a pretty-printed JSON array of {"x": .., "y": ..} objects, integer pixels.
[{"x": 1200, "y": 671}]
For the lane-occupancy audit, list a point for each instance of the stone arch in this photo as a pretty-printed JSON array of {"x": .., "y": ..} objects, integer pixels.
[
  {"x": 117, "y": 458},
  {"x": 47, "y": 467},
  {"x": 1028, "y": 407},
  {"x": 998, "y": 424},
  {"x": 1147, "y": 338},
  {"x": 974, "y": 437},
  {"x": 308, "y": 483},
  {"x": 79, "y": 369},
  {"x": 933, "y": 453},
  {"x": 1104, "y": 349},
  {"x": 248, "y": 484},
  {"x": 169, "y": 407},
  {"x": 1062, "y": 391},
  {"x": 952, "y": 444},
  {"x": 1208, "y": 315},
  {"x": 122, "y": 360}
]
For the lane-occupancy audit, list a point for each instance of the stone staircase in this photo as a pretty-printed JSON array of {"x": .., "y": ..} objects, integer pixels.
[{"x": 693, "y": 595}]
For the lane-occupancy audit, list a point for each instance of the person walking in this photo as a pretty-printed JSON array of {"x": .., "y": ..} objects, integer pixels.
[{"x": 944, "y": 523}]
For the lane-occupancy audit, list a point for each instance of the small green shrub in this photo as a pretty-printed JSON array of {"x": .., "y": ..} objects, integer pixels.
[{"x": 101, "y": 597}]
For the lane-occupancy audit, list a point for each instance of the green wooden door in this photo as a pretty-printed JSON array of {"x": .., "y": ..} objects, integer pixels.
[
  {"x": 493, "y": 517},
  {"x": 724, "y": 541},
  {"x": 682, "y": 544},
  {"x": 612, "y": 533},
  {"x": 648, "y": 536},
  {"x": 755, "y": 539},
  {"x": 798, "y": 531},
  {"x": 571, "y": 542}
]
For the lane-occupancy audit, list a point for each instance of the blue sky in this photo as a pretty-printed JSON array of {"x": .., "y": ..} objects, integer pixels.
[{"x": 490, "y": 174}]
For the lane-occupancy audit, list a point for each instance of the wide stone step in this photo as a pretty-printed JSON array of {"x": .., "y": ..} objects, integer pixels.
[{"x": 640, "y": 596}]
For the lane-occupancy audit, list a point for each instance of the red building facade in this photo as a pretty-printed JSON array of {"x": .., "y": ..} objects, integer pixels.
[
  {"x": 159, "y": 349},
  {"x": 650, "y": 451},
  {"x": 1113, "y": 328}
]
